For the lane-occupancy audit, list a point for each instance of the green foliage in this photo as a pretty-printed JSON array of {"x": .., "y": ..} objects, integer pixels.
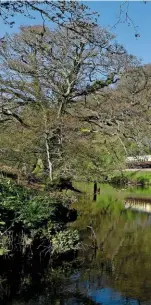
[
  {"x": 4, "y": 244},
  {"x": 119, "y": 180},
  {"x": 32, "y": 216},
  {"x": 139, "y": 177},
  {"x": 65, "y": 241},
  {"x": 38, "y": 172},
  {"x": 95, "y": 161}
]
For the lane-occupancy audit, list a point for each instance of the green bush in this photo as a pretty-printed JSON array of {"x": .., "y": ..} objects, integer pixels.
[
  {"x": 119, "y": 180},
  {"x": 65, "y": 241},
  {"x": 31, "y": 217}
]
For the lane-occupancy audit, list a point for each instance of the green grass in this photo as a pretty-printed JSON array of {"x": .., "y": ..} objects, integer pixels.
[
  {"x": 134, "y": 177},
  {"x": 142, "y": 177},
  {"x": 144, "y": 192}
]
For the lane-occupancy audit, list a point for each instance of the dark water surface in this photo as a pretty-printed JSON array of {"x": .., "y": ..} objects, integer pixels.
[{"x": 113, "y": 266}]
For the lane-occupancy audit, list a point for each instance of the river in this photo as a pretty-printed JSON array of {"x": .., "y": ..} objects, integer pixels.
[{"x": 113, "y": 265}]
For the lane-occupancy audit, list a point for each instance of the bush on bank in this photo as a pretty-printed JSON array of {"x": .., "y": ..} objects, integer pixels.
[{"x": 34, "y": 222}]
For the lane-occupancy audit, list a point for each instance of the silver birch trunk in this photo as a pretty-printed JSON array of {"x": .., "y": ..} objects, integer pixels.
[{"x": 48, "y": 159}]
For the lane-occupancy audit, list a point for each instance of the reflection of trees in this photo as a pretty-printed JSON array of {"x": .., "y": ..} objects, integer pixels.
[
  {"x": 122, "y": 261},
  {"x": 132, "y": 267},
  {"x": 38, "y": 285},
  {"x": 70, "y": 283},
  {"x": 123, "y": 249},
  {"x": 78, "y": 298}
]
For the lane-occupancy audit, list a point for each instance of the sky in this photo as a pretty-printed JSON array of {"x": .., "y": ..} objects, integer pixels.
[
  {"x": 138, "y": 11},
  {"x": 140, "y": 14}
]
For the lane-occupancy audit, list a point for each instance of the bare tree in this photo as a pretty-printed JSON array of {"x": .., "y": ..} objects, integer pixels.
[
  {"x": 64, "y": 12},
  {"x": 122, "y": 113},
  {"x": 57, "y": 67},
  {"x": 69, "y": 14}
]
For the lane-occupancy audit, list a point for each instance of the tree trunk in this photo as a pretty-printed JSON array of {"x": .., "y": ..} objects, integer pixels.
[
  {"x": 48, "y": 159},
  {"x": 60, "y": 109}
]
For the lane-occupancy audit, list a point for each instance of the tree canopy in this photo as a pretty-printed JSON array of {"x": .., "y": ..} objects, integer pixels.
[{"x": 77, "y": 85}]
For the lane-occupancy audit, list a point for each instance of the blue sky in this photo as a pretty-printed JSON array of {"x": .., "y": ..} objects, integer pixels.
[{"x": 139, "y": 12}]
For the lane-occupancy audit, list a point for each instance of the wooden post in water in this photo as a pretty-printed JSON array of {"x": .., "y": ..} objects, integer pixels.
[{"x": 95, "y": 191}]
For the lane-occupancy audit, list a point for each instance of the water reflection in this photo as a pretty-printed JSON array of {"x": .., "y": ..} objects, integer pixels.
[
  {"x": 138, "y": 204},
  {"x": 113, "y": 266},
  {"x": 123, "y": 241},
  {"x": 108, "y": 296}
]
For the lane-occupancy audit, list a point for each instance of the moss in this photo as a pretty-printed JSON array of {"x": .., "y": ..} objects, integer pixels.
[{"x": 38, "y": 172}]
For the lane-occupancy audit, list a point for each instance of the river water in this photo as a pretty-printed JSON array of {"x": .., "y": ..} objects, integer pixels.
[{"x": 113, "y": 265}]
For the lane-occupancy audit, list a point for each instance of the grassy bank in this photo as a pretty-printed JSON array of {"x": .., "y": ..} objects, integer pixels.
[{"x": 138, "y": 177}]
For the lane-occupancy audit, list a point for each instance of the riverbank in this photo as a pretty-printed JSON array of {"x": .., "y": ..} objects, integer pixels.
[
  {"x": 115, "y": 243},
  {"x": 132, "y": 176},
  {"x": 35, "y": 222}
]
